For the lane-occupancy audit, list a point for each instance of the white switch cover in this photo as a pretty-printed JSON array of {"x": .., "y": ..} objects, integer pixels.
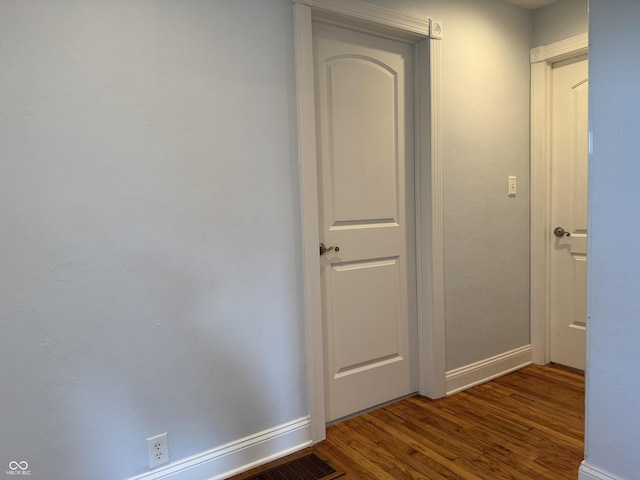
[{"x": 511, "y": 188}]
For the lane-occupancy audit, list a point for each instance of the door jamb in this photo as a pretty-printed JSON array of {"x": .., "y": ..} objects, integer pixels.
[
  {"x": 541, "y": 59},
  {"x": 426, "y": 37}
]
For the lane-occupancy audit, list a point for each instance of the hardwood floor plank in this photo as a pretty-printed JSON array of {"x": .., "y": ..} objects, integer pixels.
[
  {"x": 472, "y": 428},
  {"x": 443, "y": 464},
  {"x": 354, "y": 469},
  {"x": 522, "y": 426},
  {"x": 501, "y": 421},
  {"x": 425, "y": 435},
  {"x": 375, "y": 460},
  {"x": 498, "y": 392}
]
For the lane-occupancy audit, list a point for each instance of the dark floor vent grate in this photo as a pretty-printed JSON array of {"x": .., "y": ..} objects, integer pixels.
[{"x": 309, "y": 466}]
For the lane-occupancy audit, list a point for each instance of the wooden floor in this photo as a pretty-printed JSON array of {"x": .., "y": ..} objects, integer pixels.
[{"x": 526, "y": 425}]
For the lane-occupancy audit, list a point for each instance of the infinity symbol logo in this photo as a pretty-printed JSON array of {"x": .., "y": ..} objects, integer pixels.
[{"x": 18, "y": 465}]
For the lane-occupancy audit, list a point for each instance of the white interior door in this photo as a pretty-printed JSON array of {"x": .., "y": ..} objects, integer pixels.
[
  {"x": 569, "y": 159},
  {"x": 364, "y": 103}
]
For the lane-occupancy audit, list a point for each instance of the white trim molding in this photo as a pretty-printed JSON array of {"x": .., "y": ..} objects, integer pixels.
[
  {"x": 367, "y": 12},
  {"x": 236, "y": 457},
  {"x": 430, "y": 224},
  {"x": 310, "y": 223},
  {"x": 542, "y": 59},
  {"x": 555, "y": 52},
  {"x": 436, "y": 29},
  {"x": 480, "y": 372},
  {"x": 587, "y": 472},
  {"x": 365, "y": 16}
]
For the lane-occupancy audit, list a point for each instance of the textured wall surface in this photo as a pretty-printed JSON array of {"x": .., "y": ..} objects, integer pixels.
[
  {"x": 613, "y": 392},
  {"x": 147, "y": 156},
  {"x": 559, "y": 21}
]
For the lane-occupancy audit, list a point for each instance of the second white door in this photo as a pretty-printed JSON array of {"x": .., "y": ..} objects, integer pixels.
[
  {"x": 364, "y": 100},
  {"x": 568, "y": 265}
]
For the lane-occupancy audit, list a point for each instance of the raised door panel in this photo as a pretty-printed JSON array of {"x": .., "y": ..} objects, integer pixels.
[
  {"x": 365, "y": 297},
  {"x": 362, "y": 111}
]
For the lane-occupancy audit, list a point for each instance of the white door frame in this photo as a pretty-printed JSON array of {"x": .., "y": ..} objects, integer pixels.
[
  {"x": 426, "y": 36},
  {"x": 542, "y": 59}
]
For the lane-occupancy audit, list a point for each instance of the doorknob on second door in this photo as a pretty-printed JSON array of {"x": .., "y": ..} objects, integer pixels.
[
  {"x": 324, "y": 249},
  {"x": 561, "y": 232}
]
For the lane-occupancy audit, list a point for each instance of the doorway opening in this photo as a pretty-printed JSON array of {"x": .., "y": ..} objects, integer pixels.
[
  {"x": 543, "y": 239},
  {"x": 424, "y": 36}
]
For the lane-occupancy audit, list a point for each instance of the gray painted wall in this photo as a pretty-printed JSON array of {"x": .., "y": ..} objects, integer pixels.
[
  {"x": 143, "y": 156},
  {"x": 613, "y": 392},
  {"x": 148, "y": 155},
  {"x": 561, "y": 20},
  {"x": 485, "y": 76}
]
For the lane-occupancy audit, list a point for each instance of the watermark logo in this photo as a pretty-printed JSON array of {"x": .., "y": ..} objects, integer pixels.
[{"x": 18, "y": 468}]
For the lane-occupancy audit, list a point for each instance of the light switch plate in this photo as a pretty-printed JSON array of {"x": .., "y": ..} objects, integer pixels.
[{"x": 511, "y": 187}]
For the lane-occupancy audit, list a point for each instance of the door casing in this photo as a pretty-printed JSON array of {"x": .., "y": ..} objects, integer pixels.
[
  {"x": 542, "y": 59},
  {"x": 426, "y": 37}
]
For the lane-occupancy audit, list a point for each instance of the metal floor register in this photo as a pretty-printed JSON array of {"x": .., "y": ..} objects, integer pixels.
[{"x": 306, "y": 466}]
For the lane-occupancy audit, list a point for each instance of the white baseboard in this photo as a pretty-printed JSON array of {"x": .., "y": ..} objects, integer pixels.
[
  {"x": 485, "y": 370},
  {"x": 587, "y": 472},
  {"x": 236, "y": 457}
]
